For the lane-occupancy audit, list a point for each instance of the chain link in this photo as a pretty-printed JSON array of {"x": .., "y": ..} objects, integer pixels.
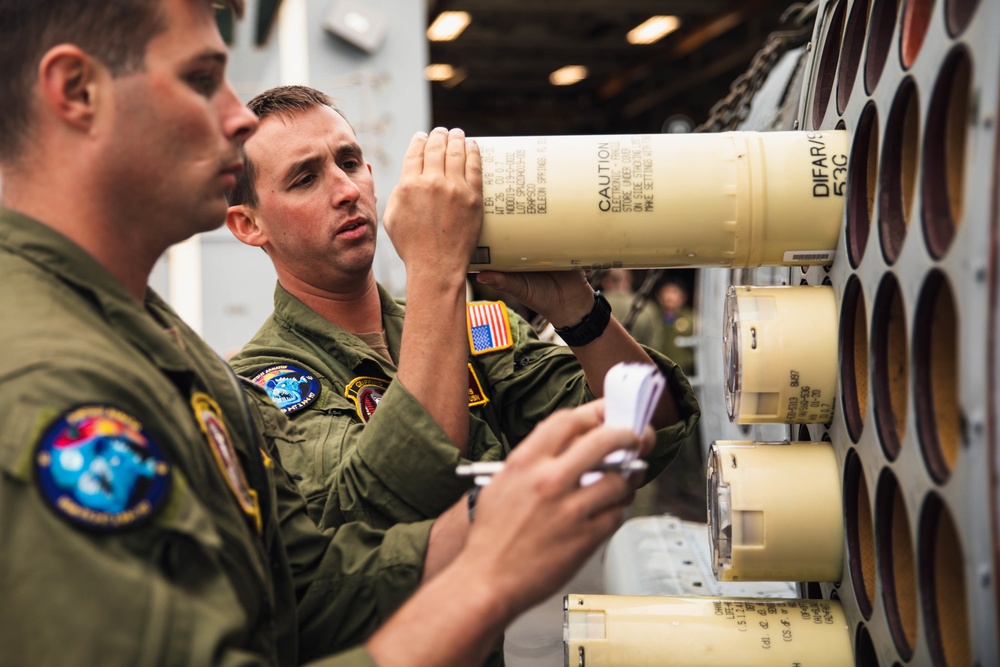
[{"x": 730, "y": 112}]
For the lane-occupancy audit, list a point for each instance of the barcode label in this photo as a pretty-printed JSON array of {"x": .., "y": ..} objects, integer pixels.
[{"x": 809, "y": 256}]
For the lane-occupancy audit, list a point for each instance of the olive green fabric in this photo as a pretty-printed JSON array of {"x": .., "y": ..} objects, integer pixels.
[
  {"x": 400, "y": 465},
  {"x": 645, "y": 327},
  {"x": 681, "y": 325},
  {"x": 196, "y": 584}
]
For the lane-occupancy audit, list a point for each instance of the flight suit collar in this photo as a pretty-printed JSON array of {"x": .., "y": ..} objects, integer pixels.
[
  {"x": 350, "y": 350},
  {"x": 54, "y": 253}
]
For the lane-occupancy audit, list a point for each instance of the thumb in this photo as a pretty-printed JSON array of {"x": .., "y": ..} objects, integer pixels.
[{"x": 502, "y": 281}]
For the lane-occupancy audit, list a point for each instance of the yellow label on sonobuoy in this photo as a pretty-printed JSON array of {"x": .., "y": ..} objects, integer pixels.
[{"x": 733, "y": 199}]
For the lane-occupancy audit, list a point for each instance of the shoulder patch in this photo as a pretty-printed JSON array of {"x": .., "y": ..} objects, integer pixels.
[
  {"x": 366, "y": 392},
  {"x": 489, "y": 326},
  {"x": 290, "y": 387},
  {"x": 476, "y": 394},
  {"x": 98, "y": 468},
  {"x": 209, "y": 416}
]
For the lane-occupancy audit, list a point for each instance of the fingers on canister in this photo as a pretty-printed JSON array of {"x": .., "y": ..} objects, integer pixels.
[
  {"x": 434, "y": 151},
  {"x": 473, "y": 165},
  {"x": 413, "y": 160},
  {"x": 455, "y": 156}
]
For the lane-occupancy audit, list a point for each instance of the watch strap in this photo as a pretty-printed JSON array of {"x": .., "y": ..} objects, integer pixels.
[{"x": 592, "y": 325}]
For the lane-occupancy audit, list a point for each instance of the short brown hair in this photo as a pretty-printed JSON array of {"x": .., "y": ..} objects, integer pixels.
[
  {"x": 280, "y": 101},
  {"x": 116, "y": 32}
]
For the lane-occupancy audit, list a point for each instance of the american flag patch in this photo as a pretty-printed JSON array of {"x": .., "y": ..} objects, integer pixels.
[{"x": 489, "y": 327}]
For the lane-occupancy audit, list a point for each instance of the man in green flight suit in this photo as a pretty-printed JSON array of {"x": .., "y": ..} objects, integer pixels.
[
  {"x": 391, "y": 400},
  {"x": 146, "y": 516}
]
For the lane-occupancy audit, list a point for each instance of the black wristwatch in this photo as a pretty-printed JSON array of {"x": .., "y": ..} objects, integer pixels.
[{"x": 592, "y": 326}]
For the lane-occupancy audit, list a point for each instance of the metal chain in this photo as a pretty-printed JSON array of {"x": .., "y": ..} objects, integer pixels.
[{"x": 795, "y": 29}]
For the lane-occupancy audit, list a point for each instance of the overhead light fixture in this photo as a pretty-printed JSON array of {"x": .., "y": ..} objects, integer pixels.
[
  {"x": 448, "y": 25},
  {"x": 458, "y": 77},
  {"x": 439, "y": 72},
  {"x": 448, "y": 75},
  {"x": 653, "y": 29},
  {"x": 567, "y": 76}
]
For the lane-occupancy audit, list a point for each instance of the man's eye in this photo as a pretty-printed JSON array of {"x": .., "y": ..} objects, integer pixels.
[
  {"x": 304, "y": 181},
  {"x": 349, "y": 165},
  {"x": 204, "y": 82}
]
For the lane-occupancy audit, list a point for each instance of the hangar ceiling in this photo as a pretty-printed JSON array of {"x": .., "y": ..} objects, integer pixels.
[{"x": 510, "y": 47}]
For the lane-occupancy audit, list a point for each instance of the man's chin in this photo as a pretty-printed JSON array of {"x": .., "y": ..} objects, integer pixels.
[{"x": 203, "y": 221}]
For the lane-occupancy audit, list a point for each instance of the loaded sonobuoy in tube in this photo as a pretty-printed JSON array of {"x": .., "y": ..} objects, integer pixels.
[
  {"x": 733, "y": 199},
  {"x": 651, "y": 631},
  {"x": 775, "y": 511},
  {"x": 780, "y": 354}
]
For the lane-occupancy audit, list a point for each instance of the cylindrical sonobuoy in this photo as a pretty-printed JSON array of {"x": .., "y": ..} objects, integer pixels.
[
  {"x": 649, "y": 631},
  {"x": 733, "y": 199}
]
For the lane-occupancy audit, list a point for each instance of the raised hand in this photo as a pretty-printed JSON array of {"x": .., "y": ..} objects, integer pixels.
[
  {"x": 434, "y": 214},
  {"x": 562, "y": 297}
]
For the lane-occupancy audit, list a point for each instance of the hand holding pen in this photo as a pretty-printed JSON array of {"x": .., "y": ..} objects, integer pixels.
[{"x": 631, "y": 392}]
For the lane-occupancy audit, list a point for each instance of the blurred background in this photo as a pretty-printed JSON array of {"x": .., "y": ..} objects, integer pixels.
[{"x": 492, "y": 67}]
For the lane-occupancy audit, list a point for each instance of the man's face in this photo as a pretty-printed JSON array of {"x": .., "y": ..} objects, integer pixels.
[
  {"x": 616, "y": 280},
  {"x": 174, "y": 132},
  {"x": 671, "y": 297},
  {"x": 316, "y": 197}
]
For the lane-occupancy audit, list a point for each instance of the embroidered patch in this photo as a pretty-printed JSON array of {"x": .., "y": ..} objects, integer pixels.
[
  {"x": 290, "y": 387},
  {"x": 476, "y": 394},
  {"x": 489, "y": 327},
  {"x": 99, "y": 468},
  {"x": 209, "y": 417},
  {"x": 366, "y": 392}
]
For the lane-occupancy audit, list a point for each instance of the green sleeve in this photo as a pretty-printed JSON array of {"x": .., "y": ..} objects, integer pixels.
[
  {"x": 401, "y": 463},
  {"x": 155, "y": 593},
  {"x": 670, "y": 439},
  {"x": 357, "y": 657},
  {"x": 536, "y": 378},
  {"x": 349, "y": 579}
]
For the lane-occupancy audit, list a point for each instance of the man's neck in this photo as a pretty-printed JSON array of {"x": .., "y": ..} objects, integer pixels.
[
  {"x": 80, "y": 220},
  {"x": 355, "y": 308}
]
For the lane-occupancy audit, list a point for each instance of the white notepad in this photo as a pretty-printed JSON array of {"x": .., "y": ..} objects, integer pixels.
[{"x": 631, "y": 393}]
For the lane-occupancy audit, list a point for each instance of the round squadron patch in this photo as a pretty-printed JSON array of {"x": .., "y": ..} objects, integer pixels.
[
  {"x": 209, "y": 417},
  {"x": 366, "y": 392},
  {"x": 290, "y": 387},
  {"x": 98, "y": 468}
]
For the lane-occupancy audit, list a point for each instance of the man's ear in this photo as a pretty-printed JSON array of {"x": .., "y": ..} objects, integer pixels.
[
  {"x": 69, "y": 80},
  {"x": 242, "y": 222}
]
